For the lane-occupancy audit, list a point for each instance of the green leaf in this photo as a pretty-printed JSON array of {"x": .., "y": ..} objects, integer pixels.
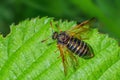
[{"x": 24, "y": 57}]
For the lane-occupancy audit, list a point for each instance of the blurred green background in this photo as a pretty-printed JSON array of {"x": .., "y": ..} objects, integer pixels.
[{"x": 106, "y": 11}]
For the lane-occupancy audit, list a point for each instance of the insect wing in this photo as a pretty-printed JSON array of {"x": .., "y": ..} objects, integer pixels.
[
  {"x": 62, "y": 55},
  {"x": 73, "y": 60},
  {"x": 80, "y": 28},
  {"x": 69, "y": 61}
]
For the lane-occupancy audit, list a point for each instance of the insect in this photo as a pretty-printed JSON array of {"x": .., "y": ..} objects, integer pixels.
[{"x": 69, "y": 42}]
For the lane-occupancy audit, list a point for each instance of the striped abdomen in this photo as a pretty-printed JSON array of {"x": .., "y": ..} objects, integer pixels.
[{"x": 79, "y": 47}]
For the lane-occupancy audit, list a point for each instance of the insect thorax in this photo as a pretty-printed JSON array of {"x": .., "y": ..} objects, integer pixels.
[{"x": 63, "y": 38}]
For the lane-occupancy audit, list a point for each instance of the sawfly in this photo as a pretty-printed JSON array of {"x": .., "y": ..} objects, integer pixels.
[{"x": 69, "y": 42}]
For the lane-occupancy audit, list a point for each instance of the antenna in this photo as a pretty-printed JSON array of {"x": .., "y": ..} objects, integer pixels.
[
  {"x": 45, "y": 39},
  {"x": 49, "y": 36},
  {"x": 56, "y": 26},
  {"x": 51, "y": 26}
]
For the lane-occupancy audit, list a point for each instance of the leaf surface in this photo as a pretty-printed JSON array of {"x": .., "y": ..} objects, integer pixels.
[{"x": 23, "y": 56}]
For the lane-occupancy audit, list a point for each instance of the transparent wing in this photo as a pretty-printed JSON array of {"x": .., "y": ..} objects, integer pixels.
[
  {"x": 62, "y": 55},
  {"x": 70, "y": 62},
  {"x": 73, "y": 60},
  {"x": 80, "y": 28}
]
